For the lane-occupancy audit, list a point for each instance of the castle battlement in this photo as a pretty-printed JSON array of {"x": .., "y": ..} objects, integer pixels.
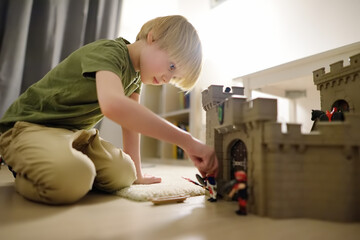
[
  {"x": 338, "y": 73},
  {"x": 260, "y": 109},
  {"x": 328, "y": 133},
  {"x": 215, "y": 94},
  {"x": 274, "y": 138},
  {"x": 236, "y": 110}
]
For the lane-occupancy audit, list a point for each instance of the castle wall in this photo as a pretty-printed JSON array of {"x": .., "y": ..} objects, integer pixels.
[
  {"x": 306, "y": 175},
  {"x": 250, "y": 134},
  {"x": 210, "y": 130},
  {"x": 319, "y": 183},
  {"x": 284, "y": 178}
]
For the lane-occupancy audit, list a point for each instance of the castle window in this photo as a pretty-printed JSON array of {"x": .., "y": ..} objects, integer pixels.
[{"x": 341, "y": 105}]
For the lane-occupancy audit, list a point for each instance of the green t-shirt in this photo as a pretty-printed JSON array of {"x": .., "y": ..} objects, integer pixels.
[{"x": 66, "y": 96}]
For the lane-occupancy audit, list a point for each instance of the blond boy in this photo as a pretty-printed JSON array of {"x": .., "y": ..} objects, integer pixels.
[{"x": 47, "y": 136}]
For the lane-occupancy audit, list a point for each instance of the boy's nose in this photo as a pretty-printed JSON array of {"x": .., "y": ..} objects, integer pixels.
[{"x": 167, "y": 77}]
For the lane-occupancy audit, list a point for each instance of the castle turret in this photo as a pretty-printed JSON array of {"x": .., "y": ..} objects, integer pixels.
[
  {"x": 340, "y": 87},
  {"x": 211, "y": 98},
  {"x": 215, "y": 94}
]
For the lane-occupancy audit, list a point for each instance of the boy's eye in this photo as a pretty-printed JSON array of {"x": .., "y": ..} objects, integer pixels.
[{"x": 172, "y": 67}]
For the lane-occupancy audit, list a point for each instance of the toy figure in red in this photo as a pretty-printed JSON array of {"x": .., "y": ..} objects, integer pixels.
[{"x": 240, "y": 188}]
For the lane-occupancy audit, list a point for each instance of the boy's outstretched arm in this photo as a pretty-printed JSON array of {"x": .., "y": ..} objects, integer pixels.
[
  {"x": 131, "y": 146},
  {"x": 135, "y": 117}
]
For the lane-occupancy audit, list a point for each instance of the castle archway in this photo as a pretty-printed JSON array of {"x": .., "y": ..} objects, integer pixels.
[
  {"x": 341, "y": 105},
  {"x": 238, "y": 157}
]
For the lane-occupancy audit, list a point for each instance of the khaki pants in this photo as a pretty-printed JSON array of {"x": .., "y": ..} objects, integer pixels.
[{"x": 59, "y": 166}]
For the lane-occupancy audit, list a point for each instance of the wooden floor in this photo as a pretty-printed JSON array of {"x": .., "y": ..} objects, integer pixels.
[{"x": 100, "y": 216}]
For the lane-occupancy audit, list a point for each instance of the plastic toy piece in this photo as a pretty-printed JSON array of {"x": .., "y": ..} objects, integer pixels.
[
  {"x": 335, "y": 115},
  {"x": 211, "y": 185},
  {"x": 169, "y": 199},
  {"x": 240, "y": 189},
  {"x": 208, "y": 183},
  {"x": 200, "y": 179},
  {"x": 330, "y": 114},
  {"x": 198, "y": 184}
]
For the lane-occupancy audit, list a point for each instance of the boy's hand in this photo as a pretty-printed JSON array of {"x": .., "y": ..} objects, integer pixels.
[
  {"x": 147, "y": 179},
  {"x": 203, "y": 157}
]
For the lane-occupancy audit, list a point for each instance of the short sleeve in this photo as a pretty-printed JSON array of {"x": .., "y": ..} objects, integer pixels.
[
  {"x": 104, "y": 55},
  {"x": 139, "y": 84},
  {"x": 138, "y": 90}
]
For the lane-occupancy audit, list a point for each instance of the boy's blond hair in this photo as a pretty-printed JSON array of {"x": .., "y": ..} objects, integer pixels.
[{"x": 179, "y": 39}]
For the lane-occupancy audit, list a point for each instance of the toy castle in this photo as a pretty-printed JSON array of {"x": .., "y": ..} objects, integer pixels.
[{"x": 290, "y": 174}]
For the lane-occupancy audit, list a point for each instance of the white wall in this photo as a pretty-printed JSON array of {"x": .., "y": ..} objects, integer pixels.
[
  {"x": 240, "y": 37},
  {"x": 136, "y": 12}
]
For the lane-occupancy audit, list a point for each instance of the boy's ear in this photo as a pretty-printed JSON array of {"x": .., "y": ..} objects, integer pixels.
[{"x": 150, "y": 39}]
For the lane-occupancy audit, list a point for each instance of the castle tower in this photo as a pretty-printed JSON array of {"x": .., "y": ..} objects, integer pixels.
[
  {"x": 234, "y": 126},
  {"x": 211, "y": 98},
  {"x": 340, "y": 87}
]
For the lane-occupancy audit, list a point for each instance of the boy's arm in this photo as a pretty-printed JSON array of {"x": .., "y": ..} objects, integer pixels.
[
  {"x": 131, "y": 146},
  {"x": 135, "y": 117}
]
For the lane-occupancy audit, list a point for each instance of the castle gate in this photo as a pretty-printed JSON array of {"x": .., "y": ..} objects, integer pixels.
[{"x": 238, "y": 157}]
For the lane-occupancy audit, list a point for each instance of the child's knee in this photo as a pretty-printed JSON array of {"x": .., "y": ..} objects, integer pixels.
[
  {"x": 58, "y": 182},
  {"x": 117, "y": 175},
  {"x": 74, "y": 180}
]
